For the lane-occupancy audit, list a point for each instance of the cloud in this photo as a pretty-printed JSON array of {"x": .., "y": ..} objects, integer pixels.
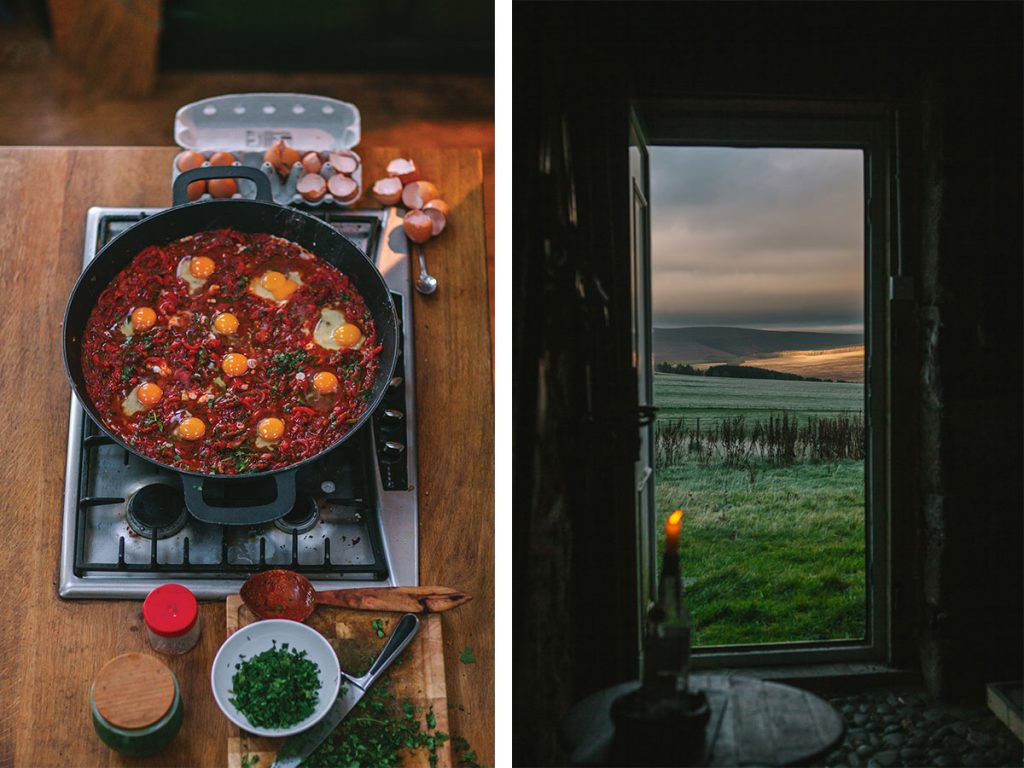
[{"x": 757, "y": 236}]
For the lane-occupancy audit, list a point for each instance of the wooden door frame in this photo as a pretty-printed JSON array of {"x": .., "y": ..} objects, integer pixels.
[{"x": 871, "y": 128}]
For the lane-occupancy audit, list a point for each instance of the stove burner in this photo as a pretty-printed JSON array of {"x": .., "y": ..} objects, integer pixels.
[
  {"x": 304, "y": 515},
  {"x": 156, "y": 508}
]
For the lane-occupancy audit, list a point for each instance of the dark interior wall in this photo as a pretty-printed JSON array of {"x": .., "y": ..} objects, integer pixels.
[
  {"x": 317, "y": 36},
  {"x": 953, "y": 73},
  {"x": 573, "y": 384}
]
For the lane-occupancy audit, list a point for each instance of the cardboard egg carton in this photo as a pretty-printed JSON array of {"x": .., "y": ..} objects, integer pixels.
[{"x": 247, "y": 124}]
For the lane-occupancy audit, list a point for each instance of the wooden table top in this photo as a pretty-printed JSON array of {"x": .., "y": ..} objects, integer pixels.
[
  {"x": 52, "y": 648},
  {"x": 752, "y": 722}
]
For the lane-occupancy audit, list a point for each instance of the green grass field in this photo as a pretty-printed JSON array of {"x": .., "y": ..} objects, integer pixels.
[
  {"x": 711, "y": 398},
  {"x": 776, "y": 554}
]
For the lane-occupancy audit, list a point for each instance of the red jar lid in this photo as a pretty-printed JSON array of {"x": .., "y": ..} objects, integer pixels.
[{"x": 170, "y": 610}]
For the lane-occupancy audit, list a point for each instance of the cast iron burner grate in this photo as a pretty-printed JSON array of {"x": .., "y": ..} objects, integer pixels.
[{"x": 342, "y": 538}]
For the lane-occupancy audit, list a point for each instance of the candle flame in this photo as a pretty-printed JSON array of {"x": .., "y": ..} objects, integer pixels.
[{"x": 676, "y": 518}]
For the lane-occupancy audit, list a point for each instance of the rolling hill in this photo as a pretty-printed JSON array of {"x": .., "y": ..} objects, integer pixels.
[
  {"x": 717, "y": 344},
  {"x": 838, "y": 356}
]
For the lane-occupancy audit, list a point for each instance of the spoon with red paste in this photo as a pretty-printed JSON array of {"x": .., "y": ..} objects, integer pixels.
[{"x": 283, "y": 594}]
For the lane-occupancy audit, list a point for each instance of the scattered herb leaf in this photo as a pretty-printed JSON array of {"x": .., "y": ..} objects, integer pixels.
[
  {"x": 378, "y": 627},
  {"x": 467, "y": 656},
  {"x": 378, "y": 732},
  {"x": 467, "y": 758}
]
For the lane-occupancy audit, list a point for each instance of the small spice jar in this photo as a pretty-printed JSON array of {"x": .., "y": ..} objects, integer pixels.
[
  {"x": 136, "y": 704},
  {"x": 172, "y": 619}
]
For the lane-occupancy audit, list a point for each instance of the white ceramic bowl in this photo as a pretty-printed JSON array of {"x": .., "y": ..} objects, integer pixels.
[{"x": 258, "y": 637}]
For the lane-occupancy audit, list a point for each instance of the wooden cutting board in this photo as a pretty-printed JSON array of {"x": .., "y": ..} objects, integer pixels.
[{"x": 417, "y": 675}]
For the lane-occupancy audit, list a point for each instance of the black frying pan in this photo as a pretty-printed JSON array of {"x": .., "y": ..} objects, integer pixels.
[{"x": 223, "y": 498}]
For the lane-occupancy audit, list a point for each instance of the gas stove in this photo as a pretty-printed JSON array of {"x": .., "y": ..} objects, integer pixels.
[{"x": 126, "y": 529}]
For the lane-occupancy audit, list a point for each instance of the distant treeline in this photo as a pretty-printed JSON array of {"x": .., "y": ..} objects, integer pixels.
[{"x": 732, "y": 372}]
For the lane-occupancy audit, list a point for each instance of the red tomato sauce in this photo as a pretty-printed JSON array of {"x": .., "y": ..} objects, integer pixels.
[{"x": 182, "y": 354}]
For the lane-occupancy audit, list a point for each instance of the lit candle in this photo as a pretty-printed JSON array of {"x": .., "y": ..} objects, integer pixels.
[{"x": 672, "y": 527}]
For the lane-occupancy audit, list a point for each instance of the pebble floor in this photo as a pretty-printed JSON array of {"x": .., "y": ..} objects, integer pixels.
[{"x": 905, "y": 727}]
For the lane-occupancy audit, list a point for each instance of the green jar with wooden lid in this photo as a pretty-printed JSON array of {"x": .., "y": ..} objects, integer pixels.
[{"x": 136, "y": 704}]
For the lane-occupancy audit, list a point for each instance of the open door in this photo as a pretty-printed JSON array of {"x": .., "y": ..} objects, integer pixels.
[{"x": 640, "y": 285}]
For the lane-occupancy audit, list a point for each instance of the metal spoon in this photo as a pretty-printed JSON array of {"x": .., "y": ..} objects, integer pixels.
[
  {"x": 283, "y": 594},
  {"x": 425, "y": 283}
]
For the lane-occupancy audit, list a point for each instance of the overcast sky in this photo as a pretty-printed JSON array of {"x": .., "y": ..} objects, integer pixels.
[{"x": 757, "y": 238}]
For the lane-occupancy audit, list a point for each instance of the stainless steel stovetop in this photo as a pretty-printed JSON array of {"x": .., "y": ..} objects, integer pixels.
[{"x": 126, "y": 531}]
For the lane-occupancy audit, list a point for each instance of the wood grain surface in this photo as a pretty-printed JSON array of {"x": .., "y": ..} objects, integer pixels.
[
  {"x": 416, "y": 676},
  {"x": 52, "y": 649}
]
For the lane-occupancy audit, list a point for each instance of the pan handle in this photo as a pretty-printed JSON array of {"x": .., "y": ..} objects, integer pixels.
[
  {"x": 210, "y": 512},
  {"x": 179, "y": 192}
]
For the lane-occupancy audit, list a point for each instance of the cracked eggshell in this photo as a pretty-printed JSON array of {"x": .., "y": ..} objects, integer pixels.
[
  {"x": 343, "y": 188},
  {"x": 403, "y": 169},
  {"x": 418, "y": 226},
  {"x": 388, "y": 191},
  {"x": 343, "y": 162},
  {"x": 437, "y": 211},
  {"x": 419, "y": 193},
  {"x": 312, "y": 187}
]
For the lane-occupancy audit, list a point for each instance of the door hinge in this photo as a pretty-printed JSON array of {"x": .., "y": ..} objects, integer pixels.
[{"x": 901, "y": 288}]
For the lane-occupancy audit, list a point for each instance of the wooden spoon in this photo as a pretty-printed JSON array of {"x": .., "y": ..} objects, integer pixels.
[{"x": 283, "y": 594}]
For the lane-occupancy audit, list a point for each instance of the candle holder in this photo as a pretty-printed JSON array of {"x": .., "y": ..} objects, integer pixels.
[
  {"x": 660, "y": 731},
  {"x": 663, "y": 723}
]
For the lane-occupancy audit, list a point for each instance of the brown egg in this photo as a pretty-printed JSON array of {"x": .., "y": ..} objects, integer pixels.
[
  {"x": 418, "y": 226},
  {"x": 419, "y": 193},
  {"x": 403, "y": 169},
  {"x": 388, "y": 191},
  {"x": 188, "y": 160},
  {"x": 222, "y": 158},
  {"x": 343, "y": 162},
  {"x": 312, "y": 187},
  {"x": 222, "y": 187},
  {"x": 342, "y": 188},
  {"x": 195, "y": 190},
  {"x": 282, "y": 157},
  {"x": 311, "y": 162}
]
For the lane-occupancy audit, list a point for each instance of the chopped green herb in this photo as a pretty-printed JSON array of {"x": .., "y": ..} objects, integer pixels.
[
  {"x": 431, "y": 720},
  {"x": 467, "y": 656},
  {"x": 153, "y": 419},
  {"x": 248, "y": 761},
  {"x": 378, "y": 627},
  {"x": 288, "y": 362},
  {"x": 380, "y": 731},
  {"x": 276, "y": 688},
  {"x": 126, "y": 372}
]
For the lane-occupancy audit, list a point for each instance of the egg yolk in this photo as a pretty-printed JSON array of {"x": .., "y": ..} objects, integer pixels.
[
  {"x": 149, "y": 394},
  {"x": 225, "y": 323},
  {"x": 192, "y": 428},
  {"x": 270, "y": 428},
  {"x": 325, "y": 382},
  {"x": 234, "y": 364},
  {"x": 143, "y": 319},
  {"x": 347, "y": 335},
  {"x": 280, "y": 286},
  {"x": 201, "y": 267}
]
